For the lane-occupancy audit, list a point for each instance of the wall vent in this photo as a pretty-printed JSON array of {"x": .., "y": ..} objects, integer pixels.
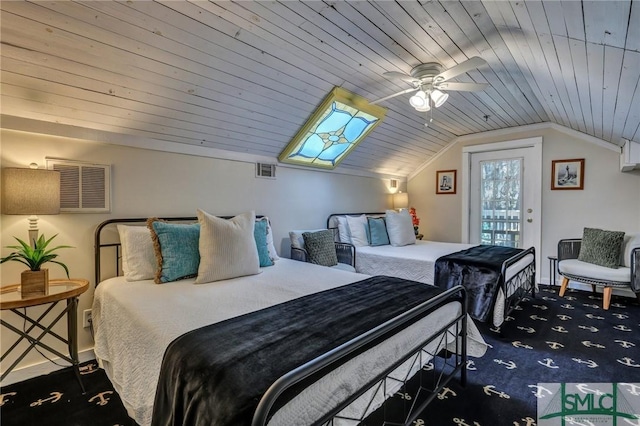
[
  {"x": 393, "y": 183},
  {"x": 84, "y": 187},
  {"x": 264, "y": 170}
]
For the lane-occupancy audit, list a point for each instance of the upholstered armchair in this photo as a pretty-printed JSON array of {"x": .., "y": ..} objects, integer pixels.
[
  {"x": 626, "y": 275},
  {"x": 345, "y": 252}
]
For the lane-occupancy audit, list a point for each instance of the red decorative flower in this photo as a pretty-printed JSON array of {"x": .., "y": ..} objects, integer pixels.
[{"x": 414, "y": 217}]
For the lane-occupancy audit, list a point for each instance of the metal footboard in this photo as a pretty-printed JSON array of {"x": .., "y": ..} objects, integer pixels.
[
  {"x": 453, "y": 333},
  {"x": 345, "y": 252},
  {"x": 518, "y": 285}
]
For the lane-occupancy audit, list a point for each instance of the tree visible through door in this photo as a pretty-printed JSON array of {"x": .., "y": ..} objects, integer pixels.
[{"x": 501, "y": 217}]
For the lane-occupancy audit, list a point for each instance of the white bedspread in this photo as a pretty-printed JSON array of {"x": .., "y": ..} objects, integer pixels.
[
  {"x": 418, "y": 261},
  {"x": 413, "y": 262},
  {"x": 135, "y": 321}
]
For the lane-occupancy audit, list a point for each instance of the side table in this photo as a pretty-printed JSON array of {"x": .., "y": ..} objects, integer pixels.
[
  {"x": 553, "y": 269},
  {"x": 11, "y": 299}
]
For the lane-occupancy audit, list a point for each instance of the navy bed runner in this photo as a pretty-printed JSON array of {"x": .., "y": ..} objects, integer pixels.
[
  {"x": 479, "y": 270},
  {"x": 210, "y": 375}
]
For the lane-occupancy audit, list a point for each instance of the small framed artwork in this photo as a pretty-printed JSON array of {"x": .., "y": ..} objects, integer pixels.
[
  {"x": 567, "y": 174},
  {"x": 446, "y": 182}
]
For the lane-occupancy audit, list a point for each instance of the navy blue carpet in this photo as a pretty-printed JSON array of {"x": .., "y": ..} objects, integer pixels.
[{"x": 547, "y": 340}]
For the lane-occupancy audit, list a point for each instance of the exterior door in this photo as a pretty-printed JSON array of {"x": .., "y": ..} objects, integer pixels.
[
  {"x": 502, "y": 198},
  {"x": 500, "y": 203}
]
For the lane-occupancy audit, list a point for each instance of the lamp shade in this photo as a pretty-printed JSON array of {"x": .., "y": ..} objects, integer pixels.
[
  {"x": 438, "y": 97},
  {"x": 424, "y": 108},
  {"x": 30, "y": 191},
  {"x": 400, "y": 200},
  {"x": 419, "y": 100}
]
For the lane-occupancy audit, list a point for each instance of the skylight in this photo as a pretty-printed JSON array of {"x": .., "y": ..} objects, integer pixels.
[{"x": 336, "y": 127}]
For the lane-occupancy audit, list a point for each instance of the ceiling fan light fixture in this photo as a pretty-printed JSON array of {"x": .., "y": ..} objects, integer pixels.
[
  {"x": 438, "y": 97},
  {"x": 419, "y": 100},
  {"x": 426, "y": 80}
]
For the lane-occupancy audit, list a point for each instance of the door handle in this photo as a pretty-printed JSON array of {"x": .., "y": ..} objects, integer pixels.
[{"x": 529, "y": 220}]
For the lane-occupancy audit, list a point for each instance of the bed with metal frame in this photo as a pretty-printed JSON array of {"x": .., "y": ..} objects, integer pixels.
[
  {"x": 450, "y": 338},
  {"x": 516, "y": 278}
]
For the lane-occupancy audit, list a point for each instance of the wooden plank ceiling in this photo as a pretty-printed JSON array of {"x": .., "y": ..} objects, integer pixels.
[{"x": 244, "y": 76}]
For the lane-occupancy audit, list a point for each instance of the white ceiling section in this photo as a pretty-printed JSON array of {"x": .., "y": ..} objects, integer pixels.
[{"x": 245, "y": 76}]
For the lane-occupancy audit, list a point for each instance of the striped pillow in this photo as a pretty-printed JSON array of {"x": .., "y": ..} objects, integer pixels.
[{"x": 227, "y": 247}]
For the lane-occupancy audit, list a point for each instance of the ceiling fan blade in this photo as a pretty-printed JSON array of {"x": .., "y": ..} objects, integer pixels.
[
  {"x": 461, "y": 68},
  {"x": 400, "y": 76},
  {"x": 463, "y": 87},
  {"x": 394, "y": 95}
]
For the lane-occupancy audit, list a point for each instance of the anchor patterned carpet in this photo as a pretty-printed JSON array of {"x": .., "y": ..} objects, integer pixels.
[{"x": 549, "y": 340}]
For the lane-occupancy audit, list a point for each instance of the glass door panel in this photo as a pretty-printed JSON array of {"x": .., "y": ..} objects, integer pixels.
[{"x": 500, "y": 197}]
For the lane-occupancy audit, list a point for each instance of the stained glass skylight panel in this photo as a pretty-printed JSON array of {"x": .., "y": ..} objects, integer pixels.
[{"x": 337, "y": 126}]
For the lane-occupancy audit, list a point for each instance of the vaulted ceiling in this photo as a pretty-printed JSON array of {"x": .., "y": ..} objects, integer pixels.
[{"x": 245, "y": 76}]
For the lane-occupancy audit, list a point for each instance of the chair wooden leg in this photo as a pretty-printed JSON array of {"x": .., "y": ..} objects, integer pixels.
[
  {"x": 606, "y": 297},
  {"x": 563, "y": 287}
]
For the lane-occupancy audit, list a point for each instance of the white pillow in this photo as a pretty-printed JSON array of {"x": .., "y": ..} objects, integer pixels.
[
  {"x": 400, "y": 228},
  {"x": 296, "y": 237},
  {"x": 358, "y": 230},
  {"x": 227, "y": 247},
  {"x": 343, "y": 229},
  {"x": 138, "y": 256}
]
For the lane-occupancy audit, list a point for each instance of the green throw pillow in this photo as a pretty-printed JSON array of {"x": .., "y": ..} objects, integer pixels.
[
  {"x": 260, "y": 235},
  {"x": 320, "y": 247},
  {"x": 601, "y": 247}
]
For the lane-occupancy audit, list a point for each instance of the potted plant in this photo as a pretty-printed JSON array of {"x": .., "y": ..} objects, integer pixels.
[{"x": 35, "y": 279}]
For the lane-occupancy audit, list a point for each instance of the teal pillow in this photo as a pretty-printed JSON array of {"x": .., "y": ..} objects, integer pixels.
[
  {"x": 601, "y": 247},
  {"x": 320, "y": 247},
  {"x": 377, "y": 231},
  {"x": 176, "y": 248},
  {"x": 260, "y": 235}
]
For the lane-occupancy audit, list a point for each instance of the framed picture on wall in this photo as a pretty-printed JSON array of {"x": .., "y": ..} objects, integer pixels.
[
  {"x": 446, "y": 182},
  {"x": 567, "y": 174}
]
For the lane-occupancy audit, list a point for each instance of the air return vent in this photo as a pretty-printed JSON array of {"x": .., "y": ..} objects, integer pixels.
[
  {"x": 84, "y": 187},
  {"x": 393, "y": 183},
  {"x": 264, "y": 170}
]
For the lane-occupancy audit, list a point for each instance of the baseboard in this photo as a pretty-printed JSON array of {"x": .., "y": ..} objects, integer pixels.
[
  {"x": 546, "y": 281},
  {"x": 41, "y": 368}
]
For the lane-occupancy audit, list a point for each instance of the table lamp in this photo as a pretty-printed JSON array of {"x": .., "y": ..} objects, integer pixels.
[
  {"x": 400, "y": 200},
  {"x": 30, "y": 192}
]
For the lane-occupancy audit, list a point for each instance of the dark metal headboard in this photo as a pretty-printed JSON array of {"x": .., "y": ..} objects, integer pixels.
[
  {"x": 332, "y": 215},
  {"x": 99, "y": 244}
]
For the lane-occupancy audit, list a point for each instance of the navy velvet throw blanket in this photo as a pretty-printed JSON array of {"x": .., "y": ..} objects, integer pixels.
[
  {"x": 479, "y": 270},
  {"x": 217, "y": 374}
]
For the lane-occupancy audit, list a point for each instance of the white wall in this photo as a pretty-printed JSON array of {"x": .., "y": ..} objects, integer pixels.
[
  {"x": 152, "y": 183},
  {"x": 610, "y": 198}
]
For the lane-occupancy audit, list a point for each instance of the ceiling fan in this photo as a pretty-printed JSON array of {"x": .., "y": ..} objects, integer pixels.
[{"x": 430, "y": 82}]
